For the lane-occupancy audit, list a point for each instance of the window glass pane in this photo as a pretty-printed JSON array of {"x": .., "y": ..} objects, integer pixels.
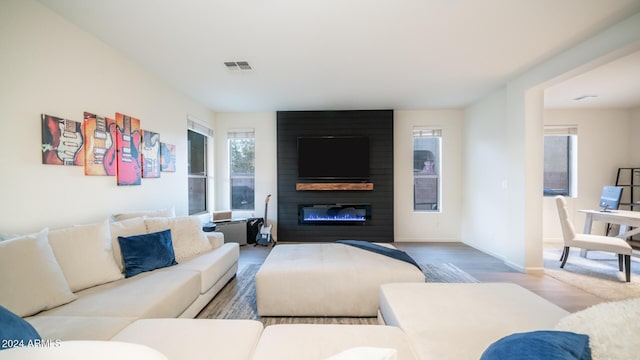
[
  {"x": 426, "y": 172},
  {"x": 197, "y": 195},
  {"x": 557, "y": 165},
  {"x": 197, "y": 153},
  {"x": 242, "y": 153},
  {"x": 197, "y": 172},
  {"x": 242, "y": 170},
  {"x": 242, "y": 193}
]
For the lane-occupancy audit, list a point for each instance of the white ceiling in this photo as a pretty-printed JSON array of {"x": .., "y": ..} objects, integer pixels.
[
  {"x": 337, "y": 54},
  {"x": 613, "y": 85}
]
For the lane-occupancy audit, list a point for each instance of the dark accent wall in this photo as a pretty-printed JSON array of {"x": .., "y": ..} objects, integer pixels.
[{"x": 378, "y": 126}]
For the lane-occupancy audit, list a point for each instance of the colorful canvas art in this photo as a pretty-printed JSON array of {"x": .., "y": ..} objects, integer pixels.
[
  {"x": 129, "y": 171},
  {"x": 100, "y": 148},
  {"x": 62, "y": 141},
  {"x": 168, "y": 157},
  {"x": 150, "y": 154}
]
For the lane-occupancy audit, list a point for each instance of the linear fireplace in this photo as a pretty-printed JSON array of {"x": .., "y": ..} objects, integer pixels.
[{"x": 334, "y": 214}]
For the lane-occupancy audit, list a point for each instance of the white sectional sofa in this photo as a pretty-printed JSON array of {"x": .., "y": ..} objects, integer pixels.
[{"x": 69, "y": 283}]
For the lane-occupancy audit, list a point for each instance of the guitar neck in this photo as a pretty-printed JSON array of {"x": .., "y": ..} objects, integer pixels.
[{"x": 266, "y": 206}]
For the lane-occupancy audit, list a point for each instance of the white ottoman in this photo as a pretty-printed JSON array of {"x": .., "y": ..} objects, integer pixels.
[
  {"x": 319, "y": 342},
  {"x": 459, "y": 321},
  {"x": 326, "y": 280}
]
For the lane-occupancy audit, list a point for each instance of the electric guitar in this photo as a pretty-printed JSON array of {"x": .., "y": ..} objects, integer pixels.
[
  {"x": 129, "y": 171},
  {"x": 100, "y": 150},
  {"x": 264, "y": 236},
  {"x": 70, "y": 141},
  {"x": 150, "y": 154}
]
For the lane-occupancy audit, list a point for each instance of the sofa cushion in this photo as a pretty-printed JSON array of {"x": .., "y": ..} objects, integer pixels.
[
  {"x": 163, "y": 293},
  {"x": 366, "y": 353},
  {"x": 31, "y": 278},
  {"x": 78, "y": 327},
  {"x": 195, "y": 339},
  {"x": 542, "y": 345},
  {"x": 146, "y": 252},
  {"x": 85, "y": 255},
  {"x": 15, "y": 331},
  {"x": 168, "y": 212},
  {"x": 213, "y": 265},
  {"x": 612, "y": 327},
  {"x": 186, "y": 231},
  {"x": 127, "y": 227},
  {"x": 320, "y": 341},
  {"x": 95, "y": 350},
  {"x": 216, "y": 239}
]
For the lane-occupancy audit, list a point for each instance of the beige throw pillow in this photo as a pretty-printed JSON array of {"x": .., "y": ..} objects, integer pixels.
[
  {"x": 186, "y": 234},
  {"x": 168, "y": 212},
  {"x": 129, "y": 227},
  {"x": 31, "y": 278},
  {"x": 85, "y": 255}
]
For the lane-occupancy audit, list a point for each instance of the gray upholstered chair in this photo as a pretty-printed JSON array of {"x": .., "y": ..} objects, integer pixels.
[{"x": 591, "y": 242}]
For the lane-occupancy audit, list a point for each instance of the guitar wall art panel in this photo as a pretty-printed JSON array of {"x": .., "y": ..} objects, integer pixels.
[
  {"x": 129, "y": 171},
  {"x": 167, "y": 157},
  {"x": 100, "y": 148},
  {"x": 62, "y": 141},
  {"x": 150, "y": 154}
]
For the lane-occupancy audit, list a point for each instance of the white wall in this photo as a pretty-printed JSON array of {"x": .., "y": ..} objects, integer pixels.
[
  {"x": 264, "y": 125},
  {"x": 484, "y": 167},
  {"x": 427, "y": 226},
  {"x": 634, "y": 134},
  {"x": 409, "y": 226},
  {"x": 604, "y": 145},
  {"x": 523, "y": 147},
  {"x": 50, "y": 66}
]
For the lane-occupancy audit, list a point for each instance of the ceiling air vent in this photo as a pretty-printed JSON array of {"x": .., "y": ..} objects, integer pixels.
[{"x": 237, "y": 66}]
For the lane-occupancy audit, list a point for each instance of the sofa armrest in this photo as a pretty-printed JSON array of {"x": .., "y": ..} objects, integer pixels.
[{"x": 215, "y": 238}]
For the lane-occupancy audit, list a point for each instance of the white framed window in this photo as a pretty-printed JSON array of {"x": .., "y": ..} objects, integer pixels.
[
  {"x": 242, "y": 177},
  {"x": 427, "y": 162},
  {"x": 560, "y": 160},
  {"x": 198, "y": 171}
]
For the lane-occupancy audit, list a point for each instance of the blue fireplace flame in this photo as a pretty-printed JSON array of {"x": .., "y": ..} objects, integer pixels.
[
  {"x": 333, "y": 214},
  {"x": 344, "y": 217}
]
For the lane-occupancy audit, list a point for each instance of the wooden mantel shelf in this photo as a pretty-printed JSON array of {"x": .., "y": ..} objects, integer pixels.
[{"x": 333, "y": 186}]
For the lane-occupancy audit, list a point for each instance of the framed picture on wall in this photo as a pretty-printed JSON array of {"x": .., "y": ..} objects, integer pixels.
[
  {"x": 167, "y": 157},
  {"x": 100, "y": 148},
  {"x": 129, "y": 171},
  {"x": 62, "y": 141},
  {"x": 150, "y": 154}
]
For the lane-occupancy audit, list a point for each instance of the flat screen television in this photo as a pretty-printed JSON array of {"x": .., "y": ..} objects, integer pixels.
[
  {"x": 610, "y": 198},
  {"x": 333, "y": 157}
]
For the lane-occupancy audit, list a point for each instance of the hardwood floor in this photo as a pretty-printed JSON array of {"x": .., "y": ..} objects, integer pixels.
[{"x": 483, "y": 267}]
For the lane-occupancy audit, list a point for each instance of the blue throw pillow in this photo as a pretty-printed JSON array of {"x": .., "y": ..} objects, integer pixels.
[
  {"x": 15, "y": 331},
  {"x": 543, "y": 345},
  {"x": 146, "y": 252}
]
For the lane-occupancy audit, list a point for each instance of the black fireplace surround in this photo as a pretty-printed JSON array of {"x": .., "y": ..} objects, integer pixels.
[{"x": 377, "y": 127}]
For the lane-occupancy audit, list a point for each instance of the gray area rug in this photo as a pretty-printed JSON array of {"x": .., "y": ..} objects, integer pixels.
[
  {"x": 237, "y": 300},
  {"x": 597, "y": 274}
]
